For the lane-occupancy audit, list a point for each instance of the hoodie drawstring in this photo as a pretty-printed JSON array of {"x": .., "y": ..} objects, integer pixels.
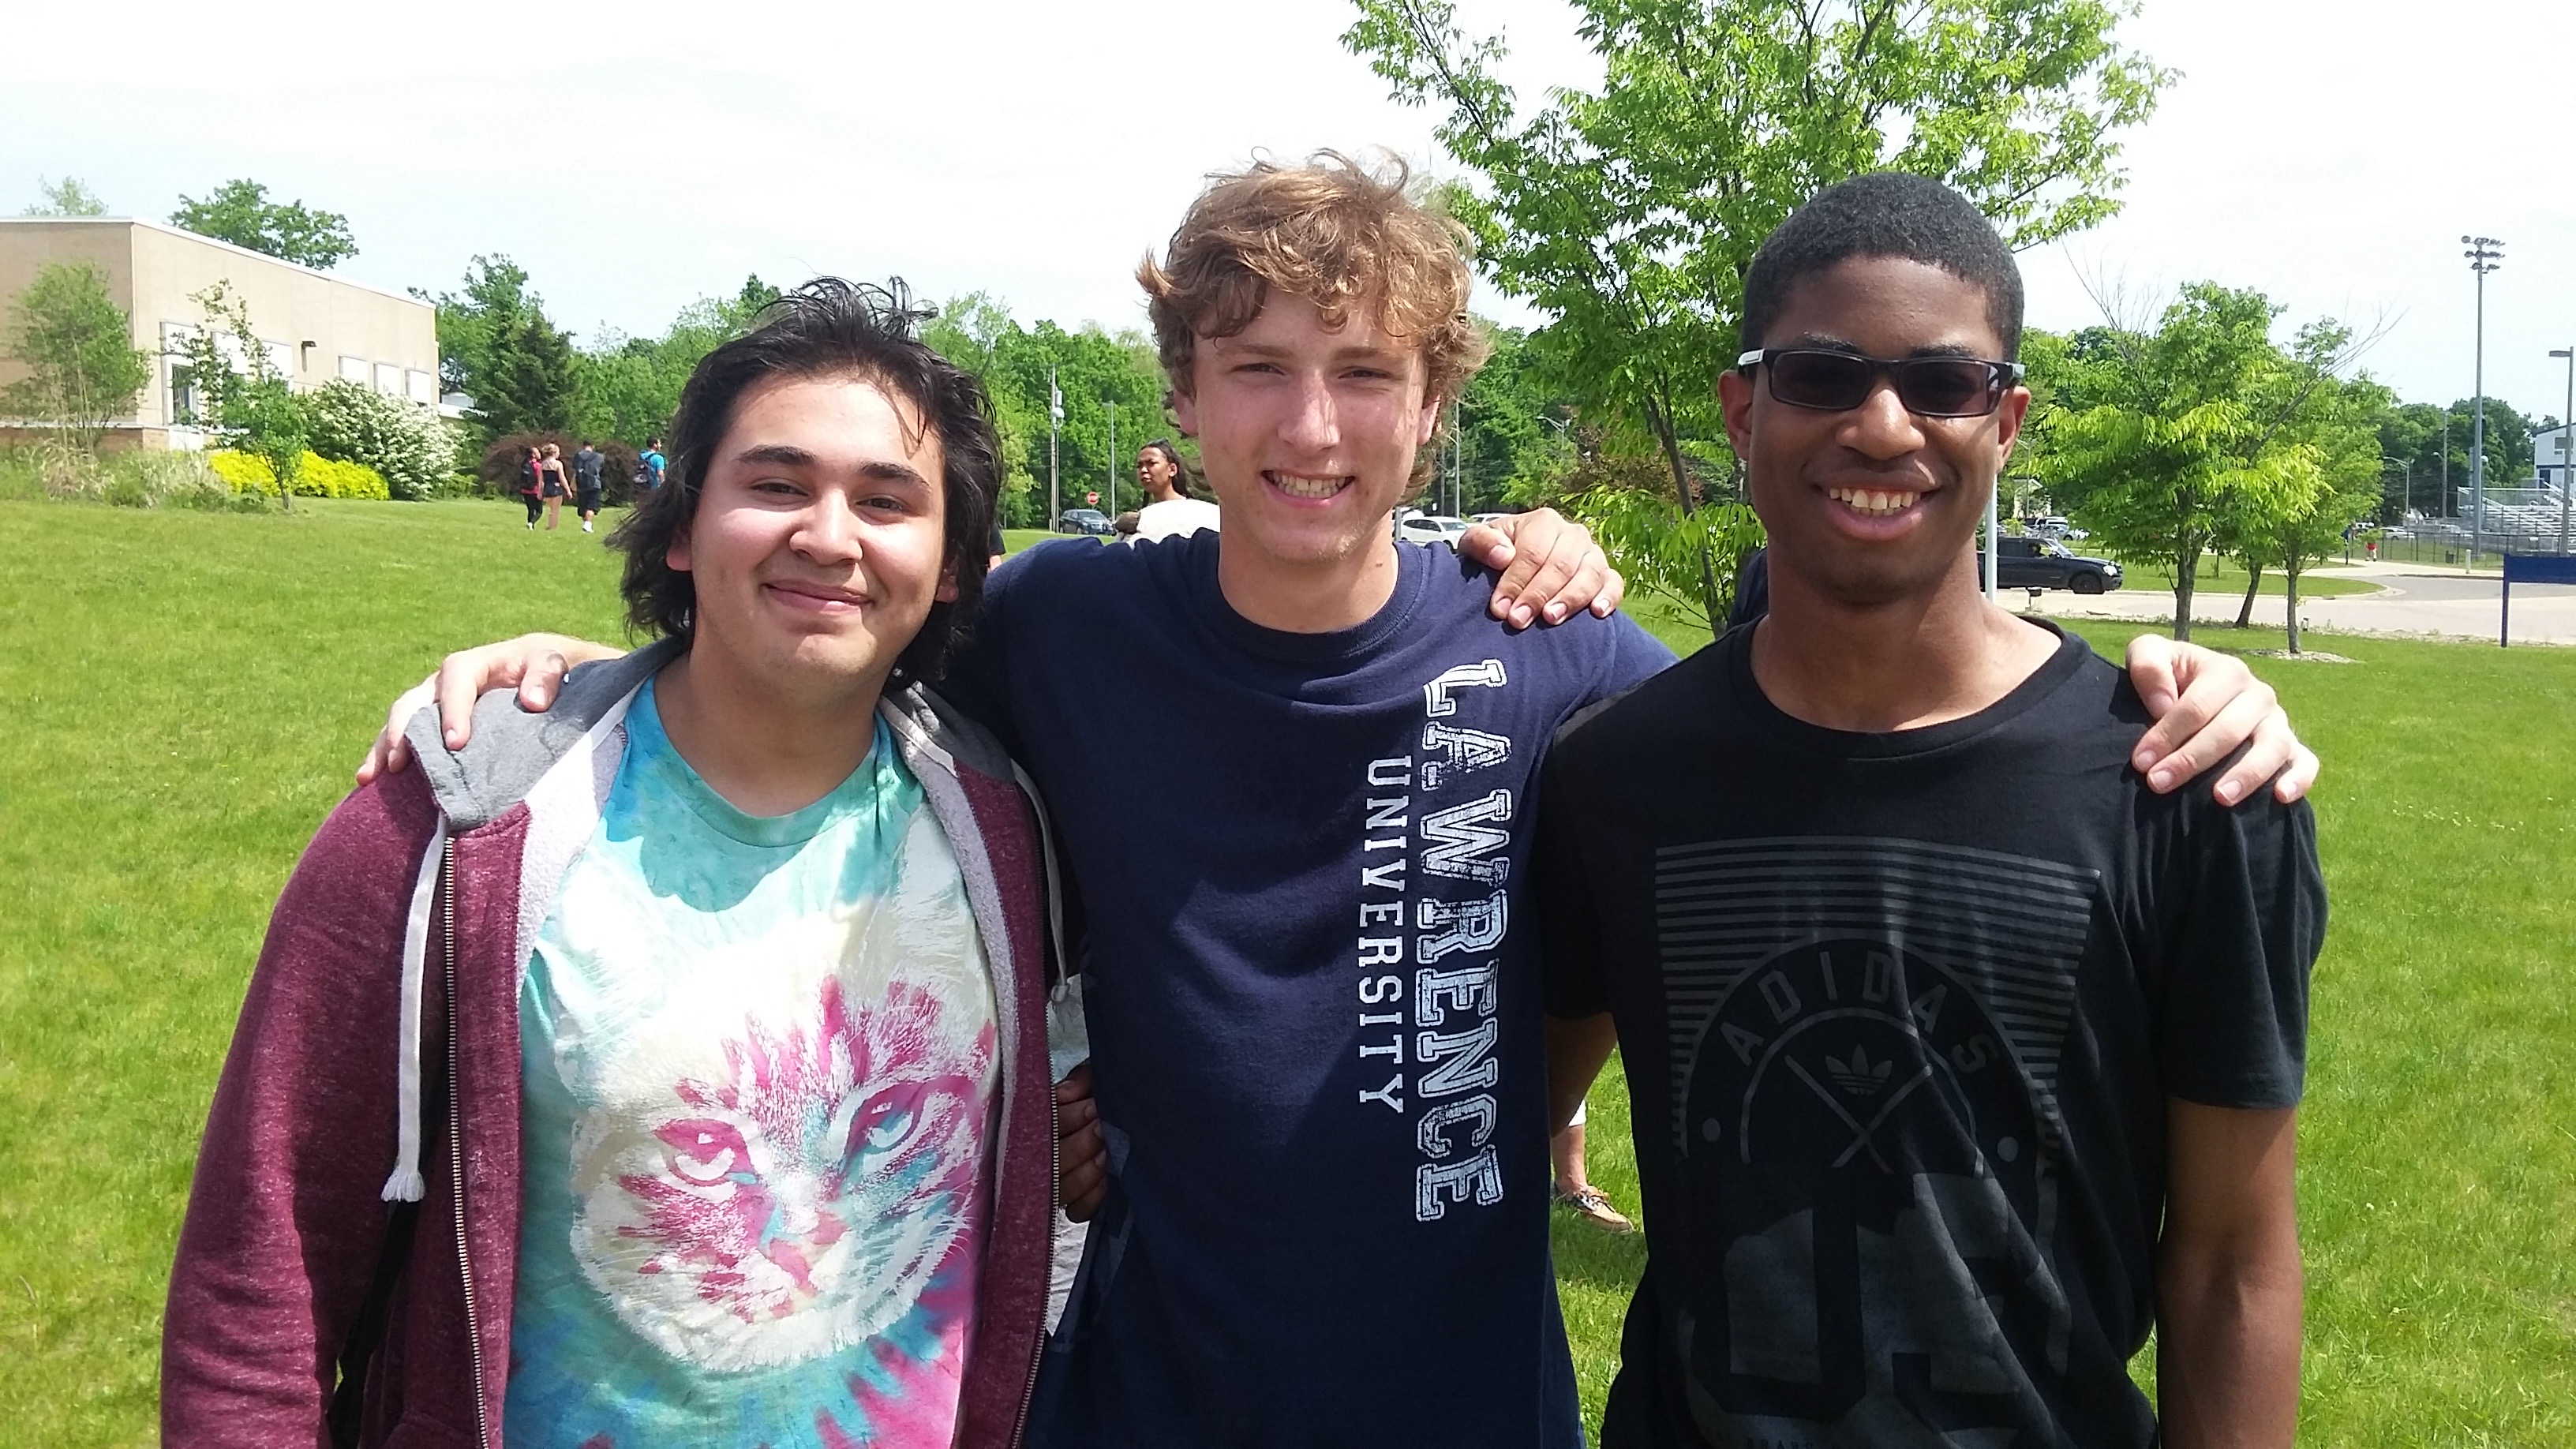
[{"x": 406, "y": 1184}]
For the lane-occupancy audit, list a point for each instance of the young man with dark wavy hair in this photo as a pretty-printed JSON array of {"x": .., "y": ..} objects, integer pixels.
[
  {"x": 1316, "y": 1036},
  {"x": 1959, "y": 1058},
  {"x": 670, "y": 1069}
]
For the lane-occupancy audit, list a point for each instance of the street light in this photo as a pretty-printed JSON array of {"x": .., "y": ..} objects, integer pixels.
[
  {"x": 2409, "y": 465},
  {"x": 2566, "y": 444},
  {"x": 2485, "y": 255}
]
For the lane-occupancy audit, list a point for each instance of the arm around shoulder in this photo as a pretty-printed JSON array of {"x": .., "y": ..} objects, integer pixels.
[{"x": 286, "y": 1217}]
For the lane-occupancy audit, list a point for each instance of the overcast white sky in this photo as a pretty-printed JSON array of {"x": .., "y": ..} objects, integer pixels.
[{"x": 2329, "y": 152}]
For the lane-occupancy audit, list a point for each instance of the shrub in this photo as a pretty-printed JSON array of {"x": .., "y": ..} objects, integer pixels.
[
  {"x": 408, "y": 445},
  {"x": 323, "y": 477}
]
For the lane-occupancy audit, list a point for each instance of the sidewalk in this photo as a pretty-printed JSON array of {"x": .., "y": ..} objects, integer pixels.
[{"x": 2417, "y": 600}]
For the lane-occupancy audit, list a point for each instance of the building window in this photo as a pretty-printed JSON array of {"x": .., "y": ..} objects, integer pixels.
[
  {"x": 389, "y": 379},
  {"x": 353, "y": 369},
  {"x": 423, "y": 387}
]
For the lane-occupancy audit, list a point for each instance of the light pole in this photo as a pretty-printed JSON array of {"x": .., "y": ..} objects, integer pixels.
[
  {"x": 2485, "y": 254},
  {"x": 1113, "y": 460},
  {"x": 2566, "y": 444},
  {"x": 1055, "y": 422},
  {"x": 2409, "y": 465}
]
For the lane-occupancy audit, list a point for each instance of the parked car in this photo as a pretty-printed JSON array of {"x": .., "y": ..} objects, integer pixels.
[
  {"x": 1083, "y": 520},
  {"x": 2043, "y": 563},
  {"x": 2053, "y": 527},
  {"x": 1429, "y": 528}
]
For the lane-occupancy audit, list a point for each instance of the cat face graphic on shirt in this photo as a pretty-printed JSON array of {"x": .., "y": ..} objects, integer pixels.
[{"x": 792, "y": 1182}]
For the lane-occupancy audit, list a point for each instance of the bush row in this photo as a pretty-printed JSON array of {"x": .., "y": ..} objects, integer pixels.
[{"x": 321, "y": 477}]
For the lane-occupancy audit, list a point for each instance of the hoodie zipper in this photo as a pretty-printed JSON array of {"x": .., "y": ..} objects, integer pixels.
[
  {"x": 1037, "y": 1354},
  {"x": 456, "y": 1173}
]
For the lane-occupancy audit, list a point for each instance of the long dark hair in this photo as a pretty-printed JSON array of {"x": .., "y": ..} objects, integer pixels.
[
  {"x": 1181, "y": 474},
  {"x": 826, "y": 328}
]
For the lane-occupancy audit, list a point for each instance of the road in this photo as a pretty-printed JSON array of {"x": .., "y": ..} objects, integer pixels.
[{"x": 2416, "y": 599}]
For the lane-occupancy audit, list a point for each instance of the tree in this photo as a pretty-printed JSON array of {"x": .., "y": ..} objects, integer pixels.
[
  {"x": 1093, "y": 369},
  {"x": 240, "y": 212},
  {"x": 83, "y": 369},
  {"x": 496, "y": 344},
  {"x": 1631, "y": 214},
  {"x": 2166, "y": 443},
  {"x": 629, "y": 387},
  {"x": 238, "y": 392},
  {"x": 67, "y": 197}
]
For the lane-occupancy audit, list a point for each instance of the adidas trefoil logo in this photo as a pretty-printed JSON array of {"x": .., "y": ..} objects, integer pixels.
[{"x": 1858, "y": 1077}]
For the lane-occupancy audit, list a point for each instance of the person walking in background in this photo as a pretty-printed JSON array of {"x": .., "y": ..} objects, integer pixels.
[
  {"x": 585, "y": 477},
  {"x": 532, "y": 484},
  {"x": 1170, "y": 511},
  {"x": 648, "y": 468},
  {"x": 551, "y": 469}
]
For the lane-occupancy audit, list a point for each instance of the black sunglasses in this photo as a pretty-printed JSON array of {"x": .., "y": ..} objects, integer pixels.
[{"x": 1932, "y": 387}]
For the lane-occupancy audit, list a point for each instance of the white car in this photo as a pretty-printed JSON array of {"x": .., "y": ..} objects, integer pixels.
[{"x": 1429, "y": 528}]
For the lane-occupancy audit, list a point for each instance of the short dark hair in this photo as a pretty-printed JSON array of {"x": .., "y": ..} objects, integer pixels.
[
  {"x": 1884, "y": 214},
  {"x": 826, "y": 328}
]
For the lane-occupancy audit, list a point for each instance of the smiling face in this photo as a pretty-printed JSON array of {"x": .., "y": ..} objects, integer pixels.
[
  {"x": 1307, "y": 436},
  {"x": 817, "y": 548},
  {"x": 1874, "y": 504}
]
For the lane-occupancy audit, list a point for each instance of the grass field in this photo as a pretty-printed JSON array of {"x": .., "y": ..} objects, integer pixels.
[{"x": 182, "y": 695}]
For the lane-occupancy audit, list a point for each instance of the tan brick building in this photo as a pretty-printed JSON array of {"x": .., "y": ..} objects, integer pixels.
[{"x": 314, "y": 325}]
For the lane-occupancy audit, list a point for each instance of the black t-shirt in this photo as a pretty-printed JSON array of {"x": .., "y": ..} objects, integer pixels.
[{"x": 1901, "y": 1013}]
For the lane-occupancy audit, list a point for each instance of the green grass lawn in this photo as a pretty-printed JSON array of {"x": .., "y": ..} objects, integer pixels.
[
  {"x": 2321, "y": 582},
  {"x": 183, "y": 695}
]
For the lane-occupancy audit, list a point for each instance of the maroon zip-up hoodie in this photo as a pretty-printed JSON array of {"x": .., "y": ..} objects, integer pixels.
[{"x": 302, "y": 1257}]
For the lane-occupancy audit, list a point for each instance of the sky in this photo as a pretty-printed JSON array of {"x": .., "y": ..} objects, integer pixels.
[{"x": 2327, "y": 152}]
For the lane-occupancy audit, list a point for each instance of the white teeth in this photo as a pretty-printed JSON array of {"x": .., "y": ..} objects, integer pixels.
[{"x": 1296, "y": 487}]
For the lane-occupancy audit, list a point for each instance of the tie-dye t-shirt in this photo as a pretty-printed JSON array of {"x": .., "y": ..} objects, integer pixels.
[{"x": 759, "y": 1067}]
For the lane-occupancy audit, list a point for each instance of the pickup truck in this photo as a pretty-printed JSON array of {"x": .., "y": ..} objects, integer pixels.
[{"x": 2040, "y": 563}]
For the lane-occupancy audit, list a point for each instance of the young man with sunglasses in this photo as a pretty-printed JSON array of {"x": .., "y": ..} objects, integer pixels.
[{"x": 1958, "y": 1058}]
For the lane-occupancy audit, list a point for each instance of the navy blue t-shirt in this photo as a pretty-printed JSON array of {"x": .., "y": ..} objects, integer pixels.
[{"x": 1315, "y": 1040}]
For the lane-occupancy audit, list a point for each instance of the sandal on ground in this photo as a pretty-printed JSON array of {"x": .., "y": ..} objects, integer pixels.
[{"x": 1593, "y": 1206}]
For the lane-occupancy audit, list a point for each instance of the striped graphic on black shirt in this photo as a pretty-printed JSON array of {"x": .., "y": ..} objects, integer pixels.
[{"x": 2011, "y": 928}]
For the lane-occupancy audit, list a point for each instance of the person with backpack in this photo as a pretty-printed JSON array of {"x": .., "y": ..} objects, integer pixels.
[{"x": 585, "y": 477}]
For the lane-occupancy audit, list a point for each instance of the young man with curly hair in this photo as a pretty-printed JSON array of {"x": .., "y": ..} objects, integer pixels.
[{"x": 1316, "y": 1035}]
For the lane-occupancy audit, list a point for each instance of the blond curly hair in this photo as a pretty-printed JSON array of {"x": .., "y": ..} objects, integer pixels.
[{"x": 1334, "y": 232}]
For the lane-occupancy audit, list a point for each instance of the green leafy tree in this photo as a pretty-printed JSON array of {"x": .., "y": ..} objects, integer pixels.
[
  {"x": 1513, "y": 442},
  {"x": 239, "y": 395},
  {"x": 67, "y": 197},
  {"x": 1631, "y": 213},
  {"x": 1092, "y": 367},
  {"x": 978, "y": 334},
  {"x": 240, "y": 212},
  {"x": 2410, "y": 438},
  {"x": 2509, "y": 453},
  {"x": 2167, "y": 443},
  {"x": 629, "y": 387},
  {"x": 82, "y": 367}
]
